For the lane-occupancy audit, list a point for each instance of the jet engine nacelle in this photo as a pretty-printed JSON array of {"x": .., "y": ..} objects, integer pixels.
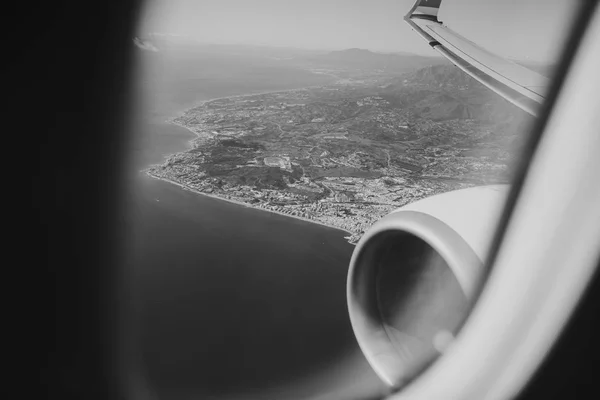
[{"x": 413, "y": 276}]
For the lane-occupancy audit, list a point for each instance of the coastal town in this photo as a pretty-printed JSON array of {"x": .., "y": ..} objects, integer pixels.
[{"x": 346, "y": 154}]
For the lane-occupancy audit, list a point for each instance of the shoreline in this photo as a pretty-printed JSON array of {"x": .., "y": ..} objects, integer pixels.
[
  {"x": 241, "y": 203},
  {"x": 190, "y": 145},
  {"x": 235, "y": 96},
  {"x": 171, "y": 120}
]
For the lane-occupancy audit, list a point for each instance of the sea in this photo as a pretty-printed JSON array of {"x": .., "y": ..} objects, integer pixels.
[{"x": 232, "y": 302}]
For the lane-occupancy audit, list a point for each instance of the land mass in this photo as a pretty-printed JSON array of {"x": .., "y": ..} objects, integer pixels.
[{"x": 347, "y": 153}]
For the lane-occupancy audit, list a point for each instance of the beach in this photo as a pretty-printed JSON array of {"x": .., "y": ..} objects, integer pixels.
[
  {"x": 241, "y": 203},
  {"x": 234, "y": 201}
]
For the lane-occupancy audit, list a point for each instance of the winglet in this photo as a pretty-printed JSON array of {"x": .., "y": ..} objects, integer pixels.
[{"x": 425, "y": 9}]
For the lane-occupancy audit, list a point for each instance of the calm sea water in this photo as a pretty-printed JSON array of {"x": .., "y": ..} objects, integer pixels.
[{"x": 235, "y": 303}]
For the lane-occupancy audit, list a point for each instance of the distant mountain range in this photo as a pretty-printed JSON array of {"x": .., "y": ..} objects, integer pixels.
[
  {"x": 431, "y": 87},
  {"x": 369, "y": 60},
  {"x": 345, "y": 59},
  {"x": 354, "y": 58}
]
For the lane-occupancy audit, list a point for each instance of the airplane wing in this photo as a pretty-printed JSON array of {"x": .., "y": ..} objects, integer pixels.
[{"x": 519, "y": 85}]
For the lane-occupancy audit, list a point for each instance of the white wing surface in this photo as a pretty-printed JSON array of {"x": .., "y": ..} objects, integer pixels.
[{"x": 520, "y": 85}]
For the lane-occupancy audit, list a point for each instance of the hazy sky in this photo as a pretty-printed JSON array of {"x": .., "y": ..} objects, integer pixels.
[{"x": 514, "y": 28}]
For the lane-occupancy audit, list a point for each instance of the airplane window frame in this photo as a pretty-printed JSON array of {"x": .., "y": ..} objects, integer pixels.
[
  {"x": 568, "y": 74},
  {"x": 90, "y": 300}
]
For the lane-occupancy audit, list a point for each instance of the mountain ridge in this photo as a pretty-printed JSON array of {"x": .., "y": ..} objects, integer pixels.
[{"x": 358, "y": 58}]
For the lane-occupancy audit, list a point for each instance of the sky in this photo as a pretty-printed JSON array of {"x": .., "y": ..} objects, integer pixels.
[{"x": 520, "y": 29}]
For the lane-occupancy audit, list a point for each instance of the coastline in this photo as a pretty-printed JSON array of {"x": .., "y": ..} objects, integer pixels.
[
  {"x": 190, "y": 145},
  {"x": 241, "y": 203},
  {"x": 171, "y": 120},
  {"x": 235, "y": 96}
]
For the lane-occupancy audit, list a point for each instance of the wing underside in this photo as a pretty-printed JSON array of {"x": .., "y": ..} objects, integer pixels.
[{"x": 520, "y": 85}]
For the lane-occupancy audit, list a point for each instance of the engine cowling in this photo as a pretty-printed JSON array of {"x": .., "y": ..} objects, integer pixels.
[{"x": 414, "y": 274}]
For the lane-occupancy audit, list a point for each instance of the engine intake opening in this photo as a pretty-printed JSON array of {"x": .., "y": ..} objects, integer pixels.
[{"x": 406, "y": 303}]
